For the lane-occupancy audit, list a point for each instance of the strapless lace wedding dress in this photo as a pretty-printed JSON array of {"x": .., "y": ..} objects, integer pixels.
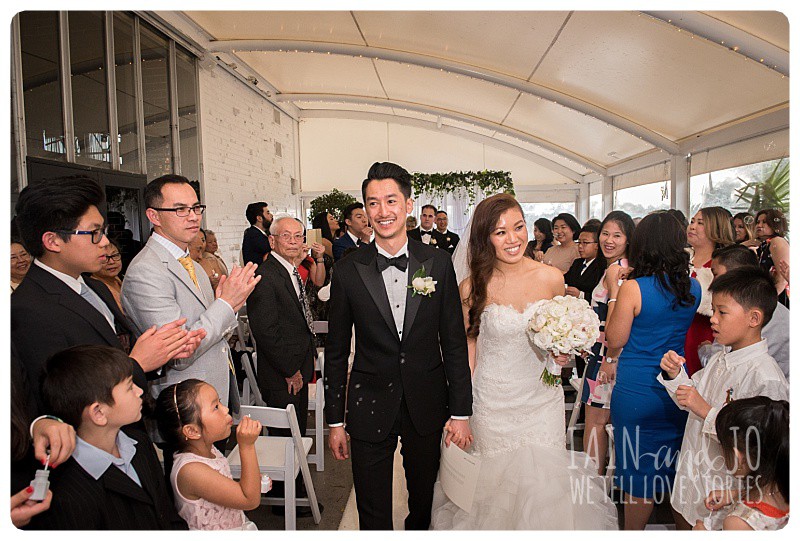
[{"x": 528, "y": 480}]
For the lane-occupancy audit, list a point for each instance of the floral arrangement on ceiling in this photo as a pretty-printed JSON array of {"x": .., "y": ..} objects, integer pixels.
[{"x": 437, "y": 185}]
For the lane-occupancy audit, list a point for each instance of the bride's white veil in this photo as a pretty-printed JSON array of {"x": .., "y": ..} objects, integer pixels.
[{"x": 461, "y": 255}]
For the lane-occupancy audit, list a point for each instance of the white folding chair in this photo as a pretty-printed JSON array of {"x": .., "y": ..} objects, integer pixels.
[
  {"x": 282, "y": 458},
  {"x": 316, "y": 403},
  {"x": 249, "y": 386},
  {"x": 254, "y": 393}
]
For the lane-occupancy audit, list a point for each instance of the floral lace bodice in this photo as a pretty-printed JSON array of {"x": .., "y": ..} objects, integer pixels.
[{"x": 511, "y": 406}]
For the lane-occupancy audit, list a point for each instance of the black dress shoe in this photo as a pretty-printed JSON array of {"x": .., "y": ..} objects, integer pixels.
[{"x": 299, "y": 512}]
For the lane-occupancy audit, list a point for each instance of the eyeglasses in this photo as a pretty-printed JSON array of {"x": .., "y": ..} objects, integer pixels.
[
  {"x": 183, "y": 212},
  {"x": 115, "y": 257},
  {"x": 97, "y": 234},
  {"x": 286, "y": 237},
  {"x": 585, "y": 242}
]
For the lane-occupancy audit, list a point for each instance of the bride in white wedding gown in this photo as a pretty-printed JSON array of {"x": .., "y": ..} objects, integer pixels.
[{"x": 528, "y": 480}]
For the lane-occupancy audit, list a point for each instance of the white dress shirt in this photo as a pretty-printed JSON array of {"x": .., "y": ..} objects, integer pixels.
[
  {"x": 746, "y": 372},
  {"x": 290, "y": 269}
]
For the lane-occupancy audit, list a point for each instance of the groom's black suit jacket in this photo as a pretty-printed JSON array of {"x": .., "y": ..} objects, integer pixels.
[{"x": 429, "y": 365}]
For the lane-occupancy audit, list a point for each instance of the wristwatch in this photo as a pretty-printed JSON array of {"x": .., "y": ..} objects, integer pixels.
[{"x": 611, "y": 360}]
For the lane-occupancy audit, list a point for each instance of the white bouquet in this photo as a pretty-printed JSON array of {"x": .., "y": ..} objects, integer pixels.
[{"x": 563, "y": 325}]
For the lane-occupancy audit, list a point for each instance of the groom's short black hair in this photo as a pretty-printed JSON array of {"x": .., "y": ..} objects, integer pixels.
[{"x": 384, "y": 170}]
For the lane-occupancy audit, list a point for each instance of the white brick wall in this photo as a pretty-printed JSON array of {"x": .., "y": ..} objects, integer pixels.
[{"x": 239, "y": 161}]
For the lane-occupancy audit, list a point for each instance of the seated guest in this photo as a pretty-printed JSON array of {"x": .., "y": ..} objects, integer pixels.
[
  {"x": 212, "y": 263},
  {"x": 255, "y": 245},
  {"x": 191, "y": 418},
  {"x": 113, "y": 481},
  {"x": 776, "y": 331},
  {"x": 565, "y": 230},
  {"x": 743, "y": 301},
  {"x": 586, "y": 271},
  {"x": 358, "y": 230},
  {"x": 542, "y": 239},
  {"x": 109, "y": 273},
  {"x": 20, "y": 263}
]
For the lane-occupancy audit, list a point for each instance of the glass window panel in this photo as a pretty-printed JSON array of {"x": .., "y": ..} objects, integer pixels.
[
  {"x": 641, "y": 200},
  {"x": 41, "y": 80},
  {"x": 596, "y": 206},
  {"x": 718, "y": 188},
  {"x": 128, "y": 135},
  {"x": 187, "y": 114},
  {"x": 89, "y": 89},
  {"x": 534, "y": 211},
  {"x": 155, "y": 87}
]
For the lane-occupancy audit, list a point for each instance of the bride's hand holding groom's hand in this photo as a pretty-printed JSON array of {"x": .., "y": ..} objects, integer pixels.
[
  {"x": 458, "y": 432},
  {"x": 561, "y": 360}
]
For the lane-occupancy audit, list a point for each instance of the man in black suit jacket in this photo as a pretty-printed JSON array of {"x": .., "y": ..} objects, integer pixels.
[
  {"x": 56, "y": 307},
  {"x": 410, "y": 376},
  {"x": 358, "y": 230},
  {"x": 255, "y": 243},
  {"x": 284, "y": 341},
  {"x": 586, "y": 271},
  {"x": 426, "y": 233},
  {"x": 451, "y": 239}
]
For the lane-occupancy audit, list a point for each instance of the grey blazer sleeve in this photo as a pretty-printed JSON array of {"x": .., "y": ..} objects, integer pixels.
[{"x": 153, "y": 297}]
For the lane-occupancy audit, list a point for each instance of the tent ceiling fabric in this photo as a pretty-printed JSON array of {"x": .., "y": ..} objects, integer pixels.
[{"x": 630, "y": 83}]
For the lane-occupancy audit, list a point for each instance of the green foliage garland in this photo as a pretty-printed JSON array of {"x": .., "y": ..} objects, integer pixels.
[
  {"x": 437, "y": 185},
  {"x": 334, "y": 202}
]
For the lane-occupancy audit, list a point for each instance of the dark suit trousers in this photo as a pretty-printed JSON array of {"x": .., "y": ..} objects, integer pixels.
[{"x": 373, "y": 473}]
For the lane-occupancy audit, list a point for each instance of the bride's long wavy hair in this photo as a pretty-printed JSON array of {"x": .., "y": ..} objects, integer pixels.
[{"x": 481, "y": 257}]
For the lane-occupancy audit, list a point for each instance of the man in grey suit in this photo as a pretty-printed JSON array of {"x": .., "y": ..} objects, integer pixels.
[{"x": 163, "y": 283}]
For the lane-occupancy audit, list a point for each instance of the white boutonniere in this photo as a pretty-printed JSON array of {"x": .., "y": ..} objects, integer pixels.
[
  {"x": 421, "y": 284},
  {"x": 433, "y": 240}
]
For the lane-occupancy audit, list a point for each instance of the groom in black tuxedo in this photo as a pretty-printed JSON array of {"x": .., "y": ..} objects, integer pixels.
[{"x": 410, "y": 376}]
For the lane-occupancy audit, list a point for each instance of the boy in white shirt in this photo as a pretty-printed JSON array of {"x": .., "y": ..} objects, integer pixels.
[{"x": 743, "y": 301}]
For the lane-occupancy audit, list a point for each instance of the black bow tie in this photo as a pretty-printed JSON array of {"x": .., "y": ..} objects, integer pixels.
[
  {"x": 426, "y": 232},
  {"x": 400, "y": 262}
]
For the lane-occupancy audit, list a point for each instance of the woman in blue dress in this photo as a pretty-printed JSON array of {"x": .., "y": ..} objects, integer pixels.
[{"x": 652, "y": 313}]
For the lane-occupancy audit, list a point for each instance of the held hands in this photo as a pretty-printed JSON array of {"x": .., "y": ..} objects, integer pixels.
[
  {"x": 337, "y": 441},
  {"x": 688, "y": 397},
  {"x": 458, "y": 432},
  {"x": 58, "y": 436},
  {"x": 561, "y": 360},
  {"x": 671, "y": 363},
  {"x": 237, "y": 286},
  {"x": 155, "y": 347},
  {"x": 295, "y": 383},
  {"x": 248, "y": 431}
]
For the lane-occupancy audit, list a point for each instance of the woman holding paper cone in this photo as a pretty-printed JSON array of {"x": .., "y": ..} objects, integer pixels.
[{"x": 527, "y": 479}]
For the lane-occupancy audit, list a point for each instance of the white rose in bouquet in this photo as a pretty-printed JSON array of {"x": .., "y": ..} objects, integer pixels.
[{"x": 563, "y": 325}]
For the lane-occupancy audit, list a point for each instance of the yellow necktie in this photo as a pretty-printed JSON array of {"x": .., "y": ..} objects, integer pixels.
[{"x": 187, "y": 263}]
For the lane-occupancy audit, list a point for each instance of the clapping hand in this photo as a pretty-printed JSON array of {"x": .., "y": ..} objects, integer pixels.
[
  {"x": 157, "y": 346},
  {"x": 237, "y": 286},
  {"x": 783, "y": 267},
  {"x": 688, "y": 397},
  {"x": 671, "y": 363}
]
